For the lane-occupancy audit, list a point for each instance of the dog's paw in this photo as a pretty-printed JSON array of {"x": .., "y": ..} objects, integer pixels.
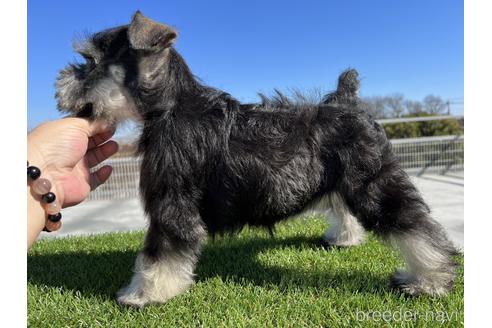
[
  {"x": 333, "y": 243},
  {"x": 405, "y": 283},
  {"x": 130, "y": 297},
  {"x": 409, "y": 284},
  {"x": 328, "y": 244},
  {"x": 330, "y": 241}
]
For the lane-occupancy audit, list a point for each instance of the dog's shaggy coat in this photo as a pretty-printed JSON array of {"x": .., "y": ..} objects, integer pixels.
[{"x": 211, "y": 164}]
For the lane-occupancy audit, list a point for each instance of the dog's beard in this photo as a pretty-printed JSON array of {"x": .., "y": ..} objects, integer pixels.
[
  {"x": 112, "y": 102},
  {"x": 107, "y": 100}
]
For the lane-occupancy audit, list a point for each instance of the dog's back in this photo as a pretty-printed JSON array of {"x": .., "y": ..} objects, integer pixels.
[{"x": 277, "y": 162}]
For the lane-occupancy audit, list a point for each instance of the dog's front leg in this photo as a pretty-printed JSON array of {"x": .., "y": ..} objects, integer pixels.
[{"x": 164, "y": 268}]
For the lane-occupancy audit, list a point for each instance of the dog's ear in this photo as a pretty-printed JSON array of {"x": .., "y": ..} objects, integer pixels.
[{"x": 145, "y": 34}]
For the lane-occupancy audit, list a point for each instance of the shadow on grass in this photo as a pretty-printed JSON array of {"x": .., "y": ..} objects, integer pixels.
[{"x": 233, "y": 260}]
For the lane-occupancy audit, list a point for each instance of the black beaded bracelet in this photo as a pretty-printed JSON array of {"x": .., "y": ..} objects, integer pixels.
[{"x": 42, "y": 187}]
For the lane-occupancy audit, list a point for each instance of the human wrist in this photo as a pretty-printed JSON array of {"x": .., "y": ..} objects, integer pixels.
[
  {"x": 41, "y": 190},
  {"x": 36, "y": 217}
]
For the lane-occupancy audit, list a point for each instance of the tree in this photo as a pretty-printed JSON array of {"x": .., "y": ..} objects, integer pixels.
[
  {"x": 394, "y": 105},
  {"x": 384, "y": 107},
  {"x": 434, "y": 104},
  {"x": 375, "y": 106},
  {"x": 414, "y": 107}
]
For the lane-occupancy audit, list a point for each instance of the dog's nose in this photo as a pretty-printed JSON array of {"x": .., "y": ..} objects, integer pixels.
[{"x": 86, "y": 111}]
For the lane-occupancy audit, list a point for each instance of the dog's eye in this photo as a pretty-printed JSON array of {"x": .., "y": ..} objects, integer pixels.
[{"x": 89, "y": 59}]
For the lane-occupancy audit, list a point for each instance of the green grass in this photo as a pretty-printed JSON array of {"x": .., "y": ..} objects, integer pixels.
[{"x": 250, "y": 280}]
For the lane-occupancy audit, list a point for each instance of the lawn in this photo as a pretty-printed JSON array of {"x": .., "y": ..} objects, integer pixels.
[{"x": 249, "y": 280}]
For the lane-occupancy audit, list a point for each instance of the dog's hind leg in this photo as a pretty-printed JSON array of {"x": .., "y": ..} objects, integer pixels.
[
  {"x": 390, "y": 205},
  {"x": 344, "y": 228},
  {"x": 164, "y": 268}
]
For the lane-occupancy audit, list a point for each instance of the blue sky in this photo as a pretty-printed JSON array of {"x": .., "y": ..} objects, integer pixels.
[{"x": 409, "y": 47}]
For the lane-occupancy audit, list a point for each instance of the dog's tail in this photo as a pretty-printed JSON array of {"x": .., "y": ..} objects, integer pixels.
[{"x": 347, "y": 90}]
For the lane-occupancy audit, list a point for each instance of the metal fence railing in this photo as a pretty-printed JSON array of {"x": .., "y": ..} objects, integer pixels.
[
  {"x": 417, "y": 156},
  {"x": 419, "y": 119},
  {"x": 430, "y": 154},
  {"x": 123, "y": 182}
]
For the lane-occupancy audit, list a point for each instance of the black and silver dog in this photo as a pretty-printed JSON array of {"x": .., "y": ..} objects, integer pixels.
[{"x": 211, "y": 164}]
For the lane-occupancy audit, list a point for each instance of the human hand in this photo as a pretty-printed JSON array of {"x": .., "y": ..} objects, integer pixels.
[{"x": 65, "y": 150}]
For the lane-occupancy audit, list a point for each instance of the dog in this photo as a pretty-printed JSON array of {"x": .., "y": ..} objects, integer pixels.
[{"x": 211, "y": 164}]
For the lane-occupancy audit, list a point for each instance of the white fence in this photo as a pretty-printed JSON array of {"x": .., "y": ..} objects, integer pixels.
[
  {"x": 430, "y": 154},
  {"x": 123, "y": 182},
  {"x": 417, "y": 156}
]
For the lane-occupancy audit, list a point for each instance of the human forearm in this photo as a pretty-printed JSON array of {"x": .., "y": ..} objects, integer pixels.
[
  {"x": 36, "y": 214},
  {"x": 35, "y": 217}
]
